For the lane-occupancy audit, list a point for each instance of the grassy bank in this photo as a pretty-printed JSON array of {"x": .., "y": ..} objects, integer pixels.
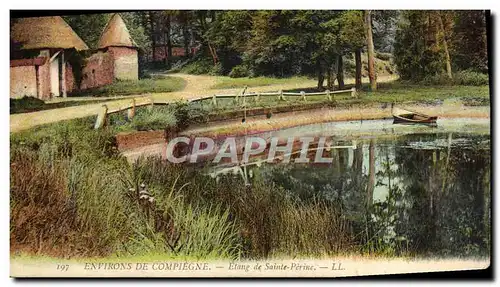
[
  {"x": 404, "y": 92},
  {"x": 393, "y": 92},
  {"x": 230, "y": 83},
  {"x": 163, "y": 84},
  {"x": 74, "y": 195}
]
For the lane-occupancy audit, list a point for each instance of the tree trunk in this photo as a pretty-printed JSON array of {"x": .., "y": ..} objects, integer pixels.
[
  {"x": 357, "y": 56},
  {"x": 340, "y": 72},
  {"x": 169, "y": 40},
  {"x": 331, "y": 76},
  {"x": 445, "y": 46},
  {"x": 153, "y": 35},
  {"x": 371, "y": 50},
  {"x": 321, "y": 76},
  {"x": 185, "y": 36}
]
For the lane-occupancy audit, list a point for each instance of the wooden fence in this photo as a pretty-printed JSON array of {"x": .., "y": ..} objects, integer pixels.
[{"x": 280, "y": 95}]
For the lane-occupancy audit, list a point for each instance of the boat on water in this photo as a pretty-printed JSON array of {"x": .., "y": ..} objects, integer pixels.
[{"x": 403, "y": 116}]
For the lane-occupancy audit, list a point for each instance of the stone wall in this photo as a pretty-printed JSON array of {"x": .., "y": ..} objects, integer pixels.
[
  {"x": 98, "y": 71},
  {"x": 70, "y": 78},
  {"x": 126, "y": 63},
  {"x": 160, "y": 52},
  {"x": 23, "y": 81}
]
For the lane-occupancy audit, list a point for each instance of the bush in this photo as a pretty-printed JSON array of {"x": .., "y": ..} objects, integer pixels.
[
  {"x": 383, "y": 56},
  {"x": 25, "y": 104},
  {"x": 198, "y": 66},
  {"x": 216, "y": 70},
  {"x": 462, "y": 78},
  {"x": 239, "y": 72},
  {"x": 470, "y": 78},
  {"x": 146, "y": 118}
]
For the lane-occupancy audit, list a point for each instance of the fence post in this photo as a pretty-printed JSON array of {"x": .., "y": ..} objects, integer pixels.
[
  {"x": 131, "y": 111},
  {"x": 101, "y": 117},
  {"x": 353, "y": 92},
  {"x": 328, "y": 96},
  {"x": 151, "y": 103},
  {"x": 257, "y": 97},
  {"x": 280, "y": 95},
  {"x": 214, "y": 100},
  {"x": 303, "y": 94}
]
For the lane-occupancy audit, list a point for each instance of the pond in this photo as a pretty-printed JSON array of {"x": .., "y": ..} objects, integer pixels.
[{"x": 415, "y": 189}]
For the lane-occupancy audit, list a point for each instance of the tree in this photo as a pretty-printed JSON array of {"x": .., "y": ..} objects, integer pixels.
[
  {"x": 384, "y": 29},
  {"x": 184, "y": 18},
  {"x": 443, "y": 35},
  {"x": 432, "y": 43},
  {"x": 469, "y": 43},
  {"x": 371, "y": 50},
  {"x": 417, "y": 49},
  {"x": 88, "y": 26},
  {"x": 351, "y": 38},
  {"x": 168, "y": 38}
]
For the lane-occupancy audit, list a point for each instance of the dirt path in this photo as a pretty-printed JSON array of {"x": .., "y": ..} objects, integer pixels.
[{"x": 196, "y": 86}]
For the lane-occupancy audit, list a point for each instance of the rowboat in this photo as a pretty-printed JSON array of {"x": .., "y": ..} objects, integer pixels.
[{"x": 402, "y": 116}]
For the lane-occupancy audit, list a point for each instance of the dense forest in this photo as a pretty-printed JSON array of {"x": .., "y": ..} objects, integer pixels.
[{"x": 322, "y": 44}]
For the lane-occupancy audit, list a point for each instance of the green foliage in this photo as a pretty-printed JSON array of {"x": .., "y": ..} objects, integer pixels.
[
  {"x": 470, "y": 41},
  {"x": 157, "y": 118},
  {"x": 160, "y": 85},
  {"x": 419, "y": 50},
  {"x": 137, "y": 31},
  {"x": 462, "y": 78},
  {"x": 89, "y": 27},
  {"x": 188, "y": 114},
  {"x": 415, "y": 58},
  {"x": 239, "y": 72},
  {"x": 25, "y": 104},
  {"x": 198, "y": 66},
  {"x": 383, "y": 56},
  {"x": 174, "y": 117}
]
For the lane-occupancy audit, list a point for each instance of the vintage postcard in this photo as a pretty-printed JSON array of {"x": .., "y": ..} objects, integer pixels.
[{"x": 249, "y": 143}]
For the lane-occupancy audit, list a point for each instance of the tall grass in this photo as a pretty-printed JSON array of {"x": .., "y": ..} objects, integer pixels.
[
  {"x": 270, "y": 221},
  {"x": 73, "y": 200},
  {"x": 156, "y": 118},
  {"x": 73, "y": 195}
]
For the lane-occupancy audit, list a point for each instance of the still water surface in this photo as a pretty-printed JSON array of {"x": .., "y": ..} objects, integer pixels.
[{"x": 422, "y": 190}]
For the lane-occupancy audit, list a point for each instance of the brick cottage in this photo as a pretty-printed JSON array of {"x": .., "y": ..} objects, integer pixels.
[{"x": 41, "y": 47}]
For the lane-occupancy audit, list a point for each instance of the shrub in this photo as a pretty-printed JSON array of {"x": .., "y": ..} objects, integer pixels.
[
  {"x": 470, "y": 78},
  {"x": 216, "y": 70},
  {"x": 177, "y": 117},
  {"x": 198, "y": 66},
  {"x": 239, "y": 72},
  {"x": 462, "y": 78},
  {"x": 25, "y": 104},
  {"x": 157, "y": 118},
  {"x": 383, "y": 56},
  {"x": 187, "y": 114}
]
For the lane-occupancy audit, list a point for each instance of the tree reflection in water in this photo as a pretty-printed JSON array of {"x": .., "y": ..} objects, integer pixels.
[{"x": 420, "y": 194}]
